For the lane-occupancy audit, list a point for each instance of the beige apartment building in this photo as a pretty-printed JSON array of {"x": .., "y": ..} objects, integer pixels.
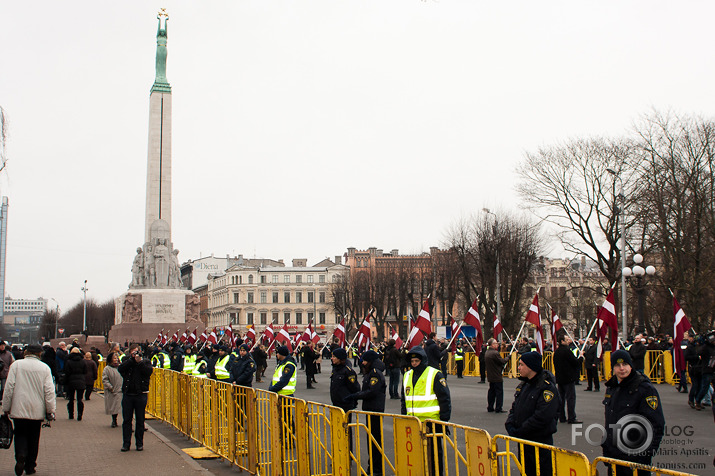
[{"x": 258, "y": 295}]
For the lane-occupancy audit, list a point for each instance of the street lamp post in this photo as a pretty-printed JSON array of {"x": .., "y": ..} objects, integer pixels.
[
  {"x": 498, "y": 292},
  {"x": 622, "y": 211},
  {"x": 57, "y": 314},
  {"x": 639, "y": 272},
  {"x": 84, "y": 318}
]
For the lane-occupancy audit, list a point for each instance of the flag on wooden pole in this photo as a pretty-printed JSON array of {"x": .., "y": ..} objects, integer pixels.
[
  {"x": 424, "y": 323},
  {"x": 555, "y": 326},
  {"x": 339, "y": 332},
  {"x": 534, "y": 317},
  {"x": 396, "y": 337},
  {"x": 607, "y": 323},
  {"x": 364, "y": 333},
  {"x": 472, "y": 319},
  {"x": 681, "y": 325}
]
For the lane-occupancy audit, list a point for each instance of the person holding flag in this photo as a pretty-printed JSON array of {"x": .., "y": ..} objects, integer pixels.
[
  {"x": 494, "y": 363},
  {"x": 393, "y": 360},
  {"x": 681, "y": 325}
]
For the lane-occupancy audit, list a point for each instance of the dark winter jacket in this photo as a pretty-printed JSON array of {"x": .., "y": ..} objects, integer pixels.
[
  {"x": 343, "y": 382},
  {"x": 439, "y": 385},
  {"x": 136, "y": 375},
  {"x": 75, "y": 371},
  {"x": 242, "y": 371},
  {"x": 533, "y": 415},
  {"x": 373, "y": 388},
  {"x": 638, "y": 351},
  {"x": 566, "y": 366},
  {"x": 393, "y": 357},
  {"x": 494, "y": 363},
  {"x": 434, "y": 353}
]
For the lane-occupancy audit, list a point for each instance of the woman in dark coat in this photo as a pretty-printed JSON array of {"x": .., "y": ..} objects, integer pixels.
[{"x": 75, "y": 374}]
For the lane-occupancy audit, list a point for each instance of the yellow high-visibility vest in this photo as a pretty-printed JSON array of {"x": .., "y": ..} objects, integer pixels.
[
  {"x": 221, "y": 371},
  {"x": 199, "y": 369},
  {"x": 289, "y": 389},
  {"x": 420, "y": 400},
  {"x": 459, "y": 354},
  {"x": 189, "y": 364}
]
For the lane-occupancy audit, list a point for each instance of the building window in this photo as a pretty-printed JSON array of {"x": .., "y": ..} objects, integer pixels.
[
  {"x": 274, "y": 278},
  {"x": 321, "y": 318},
  {"x": 310, "y": 296},
  {"x": 263, "y": 278},
  {"x": 275, "y": 317},
  {"x": 263, "y": 318},
  {"x": 310, "y": 317},
  {"x": 263, "y": 297},
  {"x": 299, "y": 318},
  {"x": 299, "y": 297},
  {"x": 337, "y": 319},
  {"x": 250, "y": 279},
  {"x": 286, "y": 278},
  {"x": 298, "y": 278},
  {"x": 249, "y": 297},
  {"x": 321, "y": 297},
  {"x": 232, "y": 318},
  {"x": 249, "y": 318},
  {"x": 286, "y": 317},
  {"x": 235, "y": 298},
  {"x": 321, "y": 278},
  {"x": 240, "y": 280},
  {"x": 275, "y": 296},
  {"x": 286, "y": 296},
  {"x": 310, "y": 278}
]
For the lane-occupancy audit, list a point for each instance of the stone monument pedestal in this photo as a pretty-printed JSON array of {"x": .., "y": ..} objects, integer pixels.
[{"x": 141, "y": 314}]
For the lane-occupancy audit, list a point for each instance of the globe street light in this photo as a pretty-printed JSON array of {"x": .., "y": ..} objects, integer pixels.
[
  {"x": 639, "y": 272},
  {"x": 84, "y": 318}
]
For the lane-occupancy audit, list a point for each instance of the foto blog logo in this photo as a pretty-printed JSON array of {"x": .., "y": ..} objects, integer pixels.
[{"x": 632, "y": 434}]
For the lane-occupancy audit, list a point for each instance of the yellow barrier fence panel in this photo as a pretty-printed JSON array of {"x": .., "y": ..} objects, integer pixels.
[
  {"x": 207, "y": 411},
  {"x": 324, "y": 424},
  {"x": 607, "y": 365},
  {"x": 339, "y": 442},
  {"x": 288, "y": 409},
  {"x": 520, "y": 457},
  {"x": 151, "y": 399},
  {"x": 368, "y": 448},
  {"x": 471, "y": 364},
  {"x": 267, "y": 422},
  {"x": 224, "y": 418},
  {"x": 478, "y": 448},
  {"x": 245, "y": 433},
  {"x": 98, "y": 384},
  {"x": 547, "y": 361},
  {"x": 612, "y": 465},
  {"x": 196, "y": 390},
  {"x": 409, "y": 446},
  {"x": 456, "y": 449},
  {"x": 654, "y": 366}
]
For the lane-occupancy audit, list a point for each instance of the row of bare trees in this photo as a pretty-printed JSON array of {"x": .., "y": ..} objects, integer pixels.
[
  {"x": 100, "y": 318},
  {"x": 655, "y": 185}
]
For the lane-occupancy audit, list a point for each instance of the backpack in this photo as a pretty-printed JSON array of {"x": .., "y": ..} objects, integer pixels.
[{"x": 6, "y": 432}]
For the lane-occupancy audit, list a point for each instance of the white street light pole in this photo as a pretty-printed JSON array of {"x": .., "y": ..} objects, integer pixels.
[
  {"x": 622, "y": 198},
  {"x": 84, "y": 319},
  {"x": 57, "y": 314},
  {"x": 639, "y": 272},
  {"x": 498, "y": 293}
]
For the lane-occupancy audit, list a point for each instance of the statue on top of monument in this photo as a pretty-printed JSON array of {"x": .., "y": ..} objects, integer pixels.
[
  {"x": 161, "y": 51},
  {"x": 138, "y": 269},
  {"x": 156, "y": 265}
]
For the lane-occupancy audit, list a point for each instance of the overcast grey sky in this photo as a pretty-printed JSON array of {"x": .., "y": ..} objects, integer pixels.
[{"x": 301, "y": 128}]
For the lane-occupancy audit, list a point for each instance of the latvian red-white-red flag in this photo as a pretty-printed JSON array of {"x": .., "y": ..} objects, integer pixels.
[
  {"x": 283, "y": 337},
  {"x": 191, "y": 340},
  {"x": 307, "y": 335},
  {"x": 228, "y": 332},
  {"x": 339, "y": 332},
  {"x": 160, "y": 337},
  {"x": 175, "y": 337},
  {"x": 497, "y": 328},
  {"x": 184, "y": 336},
  {"x": 204, "y": 336},
  {"x": 681, "y": 326},
  {"x": 607, "y": 324},
  {"x": 416, "y": 336},
  {"x": 555, "y": 326},
  {"x": 165, "y": 338},
  {"x": 455, "y": 332},
  {"x": 424, "y": 323},
  {"x": 472, "y": 319},
  {"x": 364, "y": 333},
  {"x": 534, "y": 317},
  {"x": 268, "y": 334},
  {"x": 394, "y": 335},
  {"x": 250, "y": 335},
  {"x": 314, "y": 336},
  {"x": 212, "y": 337}
]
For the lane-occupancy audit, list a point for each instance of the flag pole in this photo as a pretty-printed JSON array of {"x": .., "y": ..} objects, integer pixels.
[
  {"x": 563, "y": 327},
  {"x": 589, "y": 334},
  {"x": 455, "y": 334},
  {"x": 517, "y": 338},
  {"x": 507, "y": 336}
]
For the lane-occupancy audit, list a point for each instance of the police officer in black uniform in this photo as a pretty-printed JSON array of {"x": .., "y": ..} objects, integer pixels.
[
  {"x": 243, "y": 368},
  {"x": 343, "y": 381},
  {"x": 373, "y": 400},
  {"x": 534, "y": 413},
  {"x": 629, "y": 394}
]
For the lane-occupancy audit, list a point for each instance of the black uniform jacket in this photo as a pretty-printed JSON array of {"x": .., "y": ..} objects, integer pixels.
[
  {"x": 242, "y": 370},
  {"x": 441, "y": 390},
  {"x": 534, "y": 413},
  {"x": 635, "y": 395},
  {"x": 343, "y": 382},
  {"x": 373, "y": 389}
]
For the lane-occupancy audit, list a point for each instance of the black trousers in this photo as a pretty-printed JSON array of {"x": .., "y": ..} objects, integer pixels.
[
  {"x": 568, "y": 399},
  {"x": 376, "y": 432},
  {"x": 593, "y": 381},
  {"x": 27, "y": 441},
  {"x": 133, "y": 406},
  {"x": 544, "y": 460},
  {"x": 88, "y": 391},
  {"x": 460, "y": 368},
  {"x": 495, "y": 396},
  {"x": 439, "y": 464},
  {"x": 72, "y": 393}
]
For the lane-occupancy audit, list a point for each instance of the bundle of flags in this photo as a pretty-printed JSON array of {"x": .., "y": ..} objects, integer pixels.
[
  {"x": 607, "y": 324},
  {"x": 283, "y": 337},
  {"x": 420, "y": 327},
  {"x": 364, "y": 333}
]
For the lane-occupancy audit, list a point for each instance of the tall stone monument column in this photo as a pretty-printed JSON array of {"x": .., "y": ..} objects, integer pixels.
[{"x": 155, "y": 299}]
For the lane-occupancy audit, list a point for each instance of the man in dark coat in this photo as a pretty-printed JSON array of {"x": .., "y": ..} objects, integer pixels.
[
  {"x": 309, "y": 357},
  {"x": 568, "y": 371},
  {"x": 261, "y": 359},
  {"x": 591, "y": 361},
  {"x": 393, "y": 360},
  {"x": 637, "y": 353},
  {"x": 136, "y": 372},
  {"x": 343, "y": 381},
  {"x": 630, "y": 394},
  {"x": 434, "y": 354},
  {"x": 373, "y": 400},
  {"x": 494, "y": 363},
  {"x": 534, "y": 411},
  {"x": 242, "y": 368}
]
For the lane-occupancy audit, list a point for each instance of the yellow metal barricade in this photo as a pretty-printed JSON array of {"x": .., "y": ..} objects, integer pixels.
[
  {"x": 245, "y": 443},
  {"x": 98, "y": 384},
  {"x": 518, "y": 454},
  {"x": 456, "y": 449},
  {"x": 471, "y": 364},
  {"x": 634, "y": 468},
  {"x": 547, "y": 361},
  {"x": 654, "y": 366},
  {"x": 394, "y": 444},
  {"x": 327, "y": 439}
]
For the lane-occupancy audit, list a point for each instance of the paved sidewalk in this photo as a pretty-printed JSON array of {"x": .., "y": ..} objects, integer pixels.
[{"x": 91, "y": 447}]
